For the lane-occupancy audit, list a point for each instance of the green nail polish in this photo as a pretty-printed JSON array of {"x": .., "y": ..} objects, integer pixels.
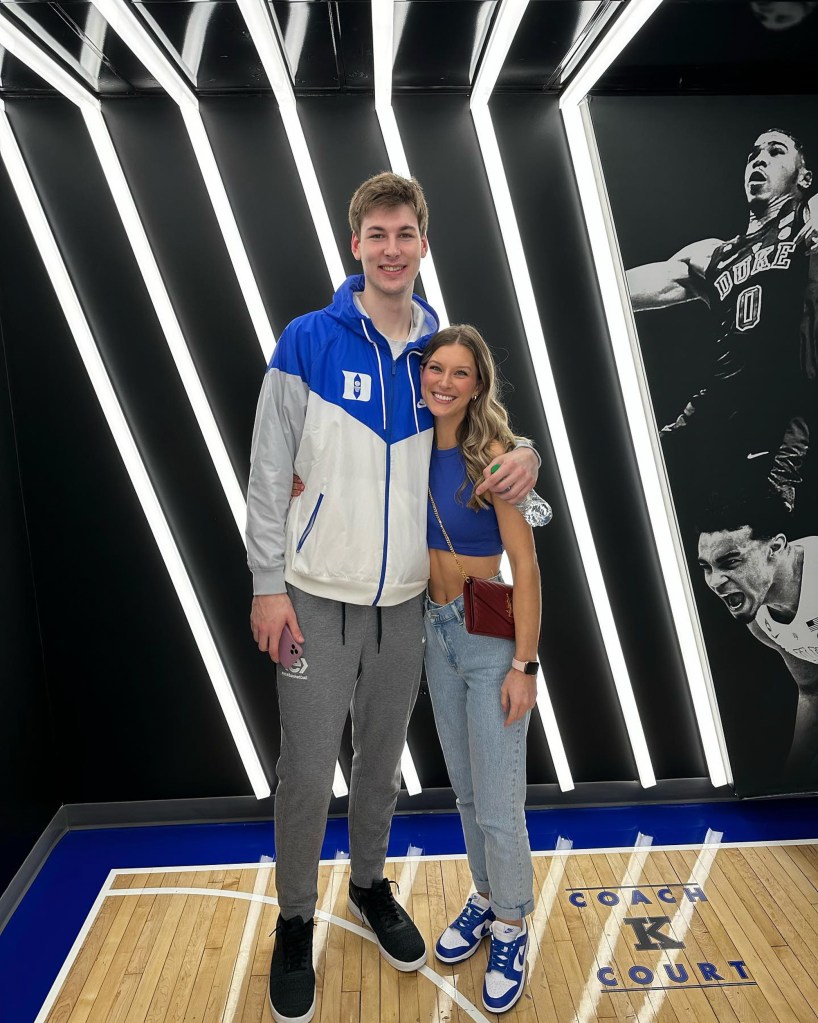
[{"x": 494, "y": 468}]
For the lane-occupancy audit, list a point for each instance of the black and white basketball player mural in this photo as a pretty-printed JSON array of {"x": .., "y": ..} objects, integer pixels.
[
  {"x": 759, "y": 401},
  {"x": 741, "y": 453}
]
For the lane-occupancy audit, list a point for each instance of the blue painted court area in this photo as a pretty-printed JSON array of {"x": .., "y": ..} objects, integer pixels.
[{"x": 39, "y": 936}]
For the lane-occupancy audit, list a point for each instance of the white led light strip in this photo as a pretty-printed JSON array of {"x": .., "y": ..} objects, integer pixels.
[
  {"x": 261, "y": 30},
  {"x": 622, "y": 329},
  {"x": 506, "y": 24},
  {"x": 69, "y": 302},
  {"x": 133, "y": 33},
  {"x": 383, "y": 42}
]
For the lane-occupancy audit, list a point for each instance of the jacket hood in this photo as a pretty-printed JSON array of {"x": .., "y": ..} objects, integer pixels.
[{"x": 343, "y": 308}]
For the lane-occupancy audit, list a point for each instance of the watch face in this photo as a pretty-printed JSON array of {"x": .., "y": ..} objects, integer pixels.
[{"x": 531, "y": 667}]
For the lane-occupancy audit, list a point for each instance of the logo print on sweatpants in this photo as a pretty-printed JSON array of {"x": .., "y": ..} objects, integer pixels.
[
  {"x": 357, "y": 386},
  {"x": 298, "y": 670}
]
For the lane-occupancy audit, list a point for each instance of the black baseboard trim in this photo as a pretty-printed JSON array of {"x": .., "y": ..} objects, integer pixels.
[
  {"x": 220, "y": 809},
  {"x": 31, "y": 866},
  {"x": 207, "y": 810}
]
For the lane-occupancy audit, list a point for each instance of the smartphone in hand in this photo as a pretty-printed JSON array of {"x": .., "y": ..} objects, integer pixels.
[{"x": 289, "y": 651}]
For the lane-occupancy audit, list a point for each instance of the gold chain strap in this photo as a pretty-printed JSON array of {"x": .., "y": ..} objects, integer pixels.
[{"x": 446, "y": 535}]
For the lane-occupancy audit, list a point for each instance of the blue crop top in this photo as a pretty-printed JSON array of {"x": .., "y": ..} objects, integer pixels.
[{"x": 472, "y": 532}]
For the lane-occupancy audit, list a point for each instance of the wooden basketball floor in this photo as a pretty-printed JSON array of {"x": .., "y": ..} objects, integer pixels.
[{"x": 707, "y": 933}]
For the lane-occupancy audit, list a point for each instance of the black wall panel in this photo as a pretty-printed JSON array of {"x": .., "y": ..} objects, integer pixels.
[
  {"x": 261, "y": 178},
  {"x": 532, "y": 141},
  {"x": 29, "y": 773},
  {"x": 169, "y": 192},
  {"x": 136, "y": 711}
]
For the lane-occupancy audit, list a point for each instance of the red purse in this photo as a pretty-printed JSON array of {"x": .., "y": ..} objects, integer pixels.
[
  {"x": 489, "y": 608},
  {"x": 488, "y": 605}
]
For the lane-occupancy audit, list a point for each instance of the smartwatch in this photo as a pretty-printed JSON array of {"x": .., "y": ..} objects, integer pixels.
[{"x": 527, "y": 667}]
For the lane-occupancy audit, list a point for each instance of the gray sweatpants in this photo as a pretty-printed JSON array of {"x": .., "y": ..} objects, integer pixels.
[{"x": 347, "y": 668}]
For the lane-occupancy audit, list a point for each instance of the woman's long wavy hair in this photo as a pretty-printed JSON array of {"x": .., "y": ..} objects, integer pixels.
[{"x": 486, "y": 419}]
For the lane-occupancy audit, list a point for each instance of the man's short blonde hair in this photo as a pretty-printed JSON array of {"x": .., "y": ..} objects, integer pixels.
[{"x": 386, "y": 190}]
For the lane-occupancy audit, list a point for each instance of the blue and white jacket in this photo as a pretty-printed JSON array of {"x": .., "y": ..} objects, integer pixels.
[{"x": 336, "y": 407}]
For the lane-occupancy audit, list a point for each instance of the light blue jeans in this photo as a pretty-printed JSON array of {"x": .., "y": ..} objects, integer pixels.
[{"x": 485, "y": 760}]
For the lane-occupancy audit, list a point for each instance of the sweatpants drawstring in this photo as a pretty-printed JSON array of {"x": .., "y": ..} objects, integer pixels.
[
  {"x": 343, "y": 624},
  {"x": 380, "y": 629}
]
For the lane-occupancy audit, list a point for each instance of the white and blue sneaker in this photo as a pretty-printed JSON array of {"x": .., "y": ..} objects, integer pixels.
[
  {"x": 505, "y": 973},
  {"x": 462, "y": 938}
]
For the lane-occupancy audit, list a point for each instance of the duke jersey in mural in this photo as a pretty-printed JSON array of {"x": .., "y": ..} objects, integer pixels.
[
  {"x": 761, "y": 396},
  {"x": 800, "y": 636},
  {"x": 755, "y": 286}
]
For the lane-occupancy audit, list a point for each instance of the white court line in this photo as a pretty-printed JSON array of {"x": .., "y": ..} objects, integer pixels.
[
  {"x": 609, "y": 935},
  {"x": 244, "y": 957},
  {"x": 320, "y": 939},
  {"x": 597, "y": 851},
  {"x": 446, "y": 986},
  {"x": 67, "y": 965},
  {"x": 548, "y": 894},
  {"x": 680, "y": 924}
]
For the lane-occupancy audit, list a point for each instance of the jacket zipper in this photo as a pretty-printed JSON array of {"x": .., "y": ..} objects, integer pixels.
[
  {"x": 310, "y": 524},
  {"x": 389, "y": 418}
]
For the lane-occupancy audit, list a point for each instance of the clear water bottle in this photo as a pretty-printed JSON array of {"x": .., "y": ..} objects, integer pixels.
[{"x": 535, "y": 510}]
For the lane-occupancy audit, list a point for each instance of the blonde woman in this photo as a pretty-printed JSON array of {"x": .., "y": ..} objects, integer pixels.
[{"x": 482, "y": 687}]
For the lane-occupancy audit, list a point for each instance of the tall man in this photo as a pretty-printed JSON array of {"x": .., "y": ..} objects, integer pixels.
[
  {"x": 771, "y": 586},
  {"x": 761, "y": 401},
  {"x": 345, "y": 567}
]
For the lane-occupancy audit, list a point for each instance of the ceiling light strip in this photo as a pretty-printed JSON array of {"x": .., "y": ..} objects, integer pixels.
[
  {"x": 383, "y": 42},
  {"x": 19, "y": 11},
  {"x": 590, "y": 31},
  {"x": 195, "y": 35},
  {"x": 262, "y": 32},
  {"x": 130, "y": 29},
  {"x": 509, "y": 17},
  {"x": 597, "y": 62},
  {"x": 30, "y": 54},
  {"x": 624, "y": 342},
  {"x": 159, "y": 32},
  {"x": 70, "y": 304},
  {"x": 499, "y": 43},
  {"x": 96, "y": 28}
]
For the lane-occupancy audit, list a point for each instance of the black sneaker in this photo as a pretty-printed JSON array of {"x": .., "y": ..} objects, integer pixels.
[
  {"x": 398, "y": 939},
  {"x": 292, "y": 977}
]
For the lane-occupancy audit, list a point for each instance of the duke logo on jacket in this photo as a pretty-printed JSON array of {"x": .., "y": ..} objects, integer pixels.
[{"x": 357, "y": 386}]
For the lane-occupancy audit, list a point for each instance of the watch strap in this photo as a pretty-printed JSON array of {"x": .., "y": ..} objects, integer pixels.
[{"x": 527, "y": 667}]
